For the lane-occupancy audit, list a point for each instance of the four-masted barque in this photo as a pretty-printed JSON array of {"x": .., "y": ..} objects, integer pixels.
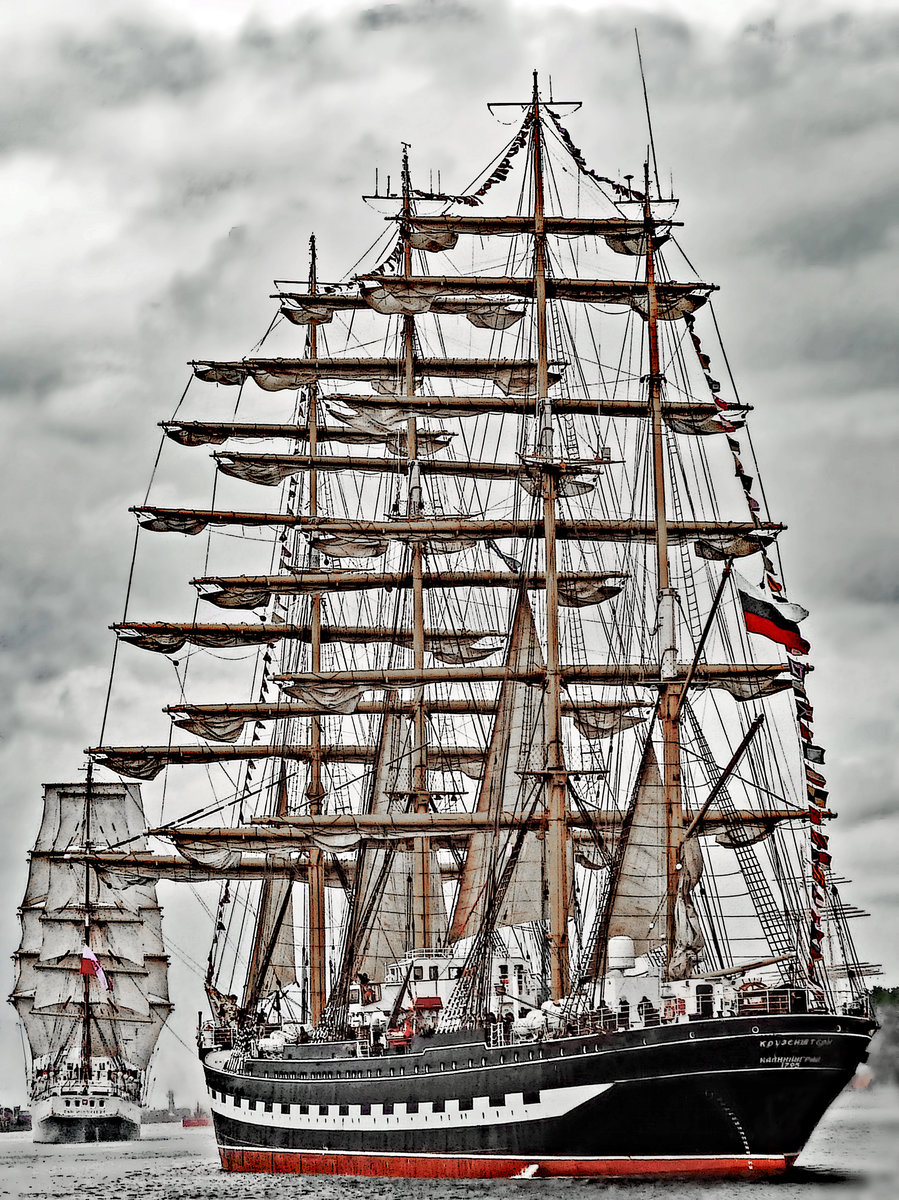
[{"x": 521, "y": 832}]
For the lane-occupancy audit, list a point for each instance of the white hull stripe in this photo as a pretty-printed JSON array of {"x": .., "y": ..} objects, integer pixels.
[
  {"x": 552, "y": 1102},
  {"x": 80, "y": 1107}
]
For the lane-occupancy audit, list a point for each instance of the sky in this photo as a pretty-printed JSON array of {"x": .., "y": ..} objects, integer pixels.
[{"x": 161, "y": 164}]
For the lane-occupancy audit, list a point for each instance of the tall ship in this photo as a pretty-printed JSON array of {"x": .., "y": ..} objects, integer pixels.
[
  {"x": 503, "y": 748},
  {"x": 91, "y": 985}
]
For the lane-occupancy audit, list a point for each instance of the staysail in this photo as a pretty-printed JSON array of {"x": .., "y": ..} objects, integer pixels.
[
  {"x": 637, "y": 899},
  {"x": 384, "y": 875},
  {"x": 517, "y": 748},
  {"x": 273, "y": 957}
]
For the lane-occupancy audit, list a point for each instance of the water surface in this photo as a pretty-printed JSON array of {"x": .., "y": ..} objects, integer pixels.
[{"x": 854, "y": 1153}]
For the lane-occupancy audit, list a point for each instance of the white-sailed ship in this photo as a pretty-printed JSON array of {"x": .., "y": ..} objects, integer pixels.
[{"x": 91, "y": 982}]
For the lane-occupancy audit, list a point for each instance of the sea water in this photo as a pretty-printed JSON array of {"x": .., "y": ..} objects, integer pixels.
[{"x": 853, "y": 1153}]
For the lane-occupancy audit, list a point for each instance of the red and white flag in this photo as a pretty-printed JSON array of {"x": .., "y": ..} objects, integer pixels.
[{"x": 90, "y": 965}]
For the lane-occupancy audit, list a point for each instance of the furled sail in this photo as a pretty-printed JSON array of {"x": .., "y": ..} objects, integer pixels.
[
  {"x": 576, "y": 589},
  {"x": 315, "y": 309},
  {"x": 166, "y": 638},
  {"x": 674, "y": 300},
  {"x": 193, "y": 521},
  {"x": 618, "y": 232},
  {"x": 270, "y": 470},
  {"x": 279, "y": 374},
  {"x": 362, "y": 432},
  {"x": 145, "y": 762},
  {"x": 688, "y": 940}
]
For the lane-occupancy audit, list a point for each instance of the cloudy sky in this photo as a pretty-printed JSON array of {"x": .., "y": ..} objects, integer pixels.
[{"x": 161, "y": 163}]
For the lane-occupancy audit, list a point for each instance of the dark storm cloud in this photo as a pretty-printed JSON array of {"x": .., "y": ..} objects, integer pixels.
[
  {"x": 417, "y": 13},
  {"x": 182, "y": 166},
  {"x": 863, "y": 345},
  {"x": 30, "y": 376},
  {"x": 876, "y": 582},
  {"x": 131, "y": 60},
  {"x": 118, "y": 65},
  {"x": 863, "y": 225}
]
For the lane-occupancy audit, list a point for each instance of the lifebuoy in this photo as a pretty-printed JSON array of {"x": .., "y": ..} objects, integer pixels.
[{"x": 669, "y": 1012}]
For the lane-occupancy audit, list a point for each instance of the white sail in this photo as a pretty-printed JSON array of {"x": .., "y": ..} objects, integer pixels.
[
  {"x": 517, "y": 746},
  {"x": 384, "y": 878},
  {"x": 638, "y": 896},
  {"x": 125, "y": 931}
]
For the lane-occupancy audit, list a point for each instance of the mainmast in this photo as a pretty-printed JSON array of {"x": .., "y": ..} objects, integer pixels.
[
  {"x": 556, "y": 777},
  {"x": 315, "y": 791},
  {"x": 422, "y": 907},
  {"x": 670, "y": 691}
]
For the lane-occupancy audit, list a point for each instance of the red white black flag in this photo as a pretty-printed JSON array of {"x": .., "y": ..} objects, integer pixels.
[
  {"x": 90, "y": 965},
  {"x": 774, "y": 619}
]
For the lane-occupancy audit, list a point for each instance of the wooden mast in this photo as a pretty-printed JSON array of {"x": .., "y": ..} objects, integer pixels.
[
  {"x": 555, "y": 779},
  {"x": 670, "y": 691},
  {"x": 422, "y": 908},
  {"x": 315, "y": 791}
]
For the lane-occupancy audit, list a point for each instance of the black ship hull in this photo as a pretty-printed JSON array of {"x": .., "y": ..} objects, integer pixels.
[{"x": 725, "y": 1096}]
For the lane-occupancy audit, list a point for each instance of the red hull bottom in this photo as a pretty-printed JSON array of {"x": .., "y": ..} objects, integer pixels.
[{"x": 448, "y": 1166}]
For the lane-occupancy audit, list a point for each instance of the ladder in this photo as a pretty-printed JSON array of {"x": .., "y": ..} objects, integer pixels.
[{"x": 770, "y": 917}]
